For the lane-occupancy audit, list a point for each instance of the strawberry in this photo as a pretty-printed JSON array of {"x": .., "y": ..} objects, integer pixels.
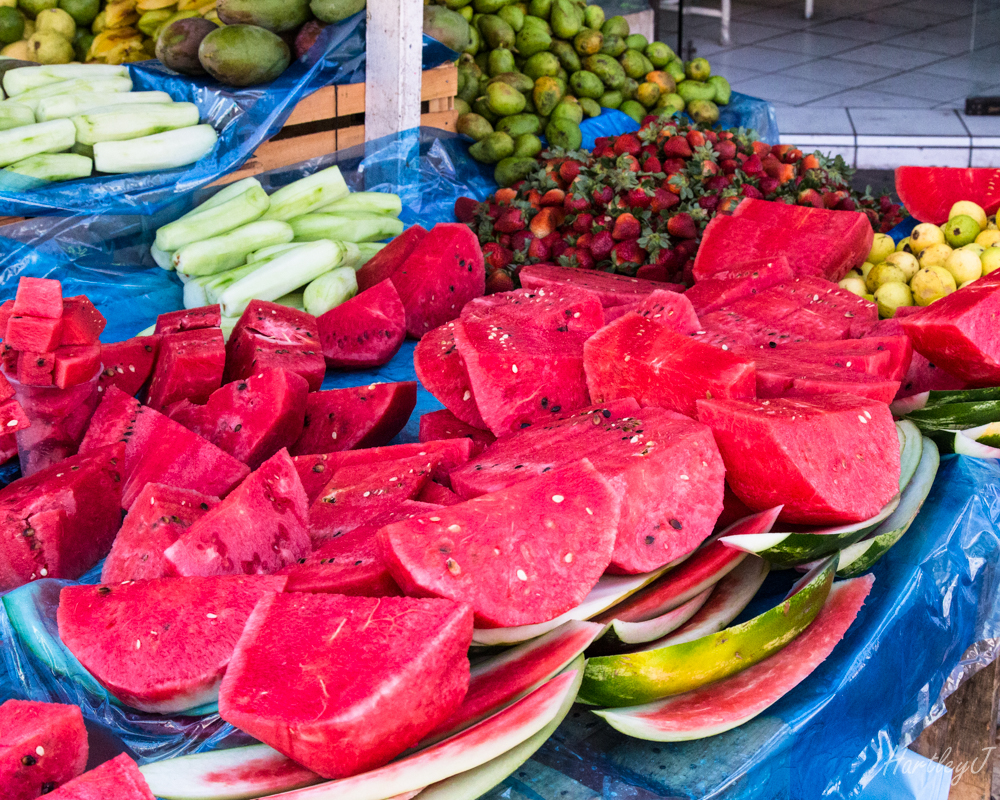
[
  {"x": 717, "y": 183},
  {"x": 583, "y": 258},
  {"x": 682, "y": 226},
  {"x": 729, "y": 166},
  {"x": 809, "y": 162},
  {"x": 574, "y": 204},
  {"x": 538, "y": 250},
  {"x": 603, "y": 151},
  {"x": 505, "y": 196},
  {"x": 627, "y": 161},
  {"x": 496, "y": 256},
  {"x": 725, "y": 135},
  {"x": 601, "y": 245},
  {"x": 553, "y": 197},
  {"x": 559, "y": 246},
  {"x": 687, "y": 276},
  {"x": 672, "y": 165},
  {"x": 628, "y": 143},
  {"x": 751, "y": 191},
  {"x": 535, "y": 198},
  {"x": 830, "y": 199},
  {"x": 568, "y": 170},
  {"x": 781, "y": 150},
  {"x": 810, "y": 197},
  {"x": 695, "y": 139},
  {"x": 637, "y": 198},
  {"x": 709, "y": 202},
  {"x": 725, "y": 149},
  {"x": 648, "y": 120},
  {"x": 768, "y": 185},
  {"x": 627, "y": 253},
  {"x": 677, "y": 147},
  {"x": 603, "y": 223},
  {"x": 652, "y": 272},
  {"x": 546, "y": 221},
  {"x": 886, "y": 205},
  {"x": 499, "y": 281},
  {"x": 603, "y": 195},
  {"x": 626, "y": 227},
  {"x": 494, "y": 210},
  {"x": 753, "y": 165},
  {"x": 669, "y": 259},
  {"x": 510, "y": 221},
  {"x": 663, "y": 201},
  {"x": 583, "y": 222},
  {"x": 709, "y": 168},
  {"x": 685, "y": 250},
  {"x": 760, "y": 148},
  {"x": 584, "y": 240},
  {"x": 711, "y": 136},
  {"x": 772, "y": 165},
  {"x": 727, "y": 205},
  {"x": 847, "y": 204},
  {"x": 465, "y": 209},
  {"x": 649, "y": 150},
  {"x": 504, "y": 239},
  {"x": 652, "y": 164},
  {"x": 742, "y": 157},
  {"x": 872, "y": 215},
  {"x": 793, "y": 156},
  {"x": 520, "y": 241}
]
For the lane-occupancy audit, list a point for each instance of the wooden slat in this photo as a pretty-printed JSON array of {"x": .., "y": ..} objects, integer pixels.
[
  {"x": 10, "y": 220},
  {"x": 350, "y": 99},
  {"x": 446, "y": 120},
  {"x": 283, "y": 153},
  {"x": 438, "y": 83},
  {"x": 319, "y": 105},
  {"x": 348, "y": 137}
]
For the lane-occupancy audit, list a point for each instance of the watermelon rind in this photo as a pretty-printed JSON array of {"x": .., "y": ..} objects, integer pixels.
[
  {"x": 728, "y": 599},
  {"x": 979, "y": 442},
  {"x": 956, "y": 416},
  {"x": 943, "y": 397},
  {"x": 476, "y": 782},
  {"x": 470, "y": 749},
  {"x": 236, "y": 774},
  {"x": 609, "y": 591},
  {"x": 861, "y": 556},
  {"x": 911, "y": 445},
  {"x": 649, "y": 630},
  {"x": 637, "y": 678},
  {"x": 730, "y": 703}
]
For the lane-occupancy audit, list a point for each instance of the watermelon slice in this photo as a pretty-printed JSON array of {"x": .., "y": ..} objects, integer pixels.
[
  {"x": 441, "y": 371},
  {"x": 438, "y": 494},
  {"x": 826, "y": 299},
  {"x": 75, "y": 364},
  {"x": 352, "y": 564},
  {"x": 42, "y": 745},
  {"x": 635, "y": 357},
  {"x": 390, "y": 258},
  {"x": 82, "y": 323},
  {"x": 13, "y": 418},
  {"x": 61, "y": 520},
  {"x": 611, "y": 289},
  {"x": 189, "y": 319},
  {"x": 117, "y": 779},
  {"x": 38, "y": 297},
  {"x": 664, "y": 468},
  {"x": 443, "y": 425},
  {"x": 253, "y": 418},
  {"x": 259, "y": 528},
  {"x": 269, "y": 335},
  {"x": 722, "y": 706},
  {"x": 315, "y": 469},
  {"x": 189, "y": 366},
  {"x": 928, "y": 193},
  {"x": 729, "y": 331},
  {"x": 440, "y": 275},
  {"x": 670, "y": 309},
  {"x": 366, "y": 331},
  {"x": 886, "y": 357},
  {"x": 159, "y": 450},
  {"x": 128, "y": 364},
  {"x": 829, "y": 459},
  {"x": 35, "y": 368},
  {"x": 356, "y": 417},
  {"x": 157, "y": 518},
  {"x": 370, "y": 676},
  {"x": 519, "y": 556},
  {"x": 784, "y": 375},
  {"x": 743, "y": 280},
  {"x": 162, "y": 645}
]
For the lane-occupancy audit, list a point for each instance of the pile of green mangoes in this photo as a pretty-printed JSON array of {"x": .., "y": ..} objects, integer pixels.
[{"x": 539, "y": 67}]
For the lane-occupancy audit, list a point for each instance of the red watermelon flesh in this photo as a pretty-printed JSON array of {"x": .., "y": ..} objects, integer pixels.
[
  {"x": 75, "y": 364},
  {"x": 390, "y": 258},
  {"x": 6, "y": 390},
  {"x": 38, "y": 297},
  {"x": 35, "y": 334},
  {"x": 257, "y": 529},
  {"x": 921, "y": 375},
  {"x": 157, "y": 518},
  {"x": 635, "y": 357},
  {"x": 670, "y": 309},
  {"x": 82, "y": 323},
  {"x": 356, "y": 417},
  {"x": 928, "y": 193},
  {"x": 189, "y": 319},
  {"x": 315, "y": 470},
  {"x": 522, "y": 555},
  {"x": 617, "y": 312},
  {"x": 42, "y": 745},
  {"x": 160, "y": 645},
  {"x": 159, "y": 450},
  {"x": 611, "y": 289},
  {"x": 189, "y": 366},
  {"x": 61, "y": 520},
  {"x": 438, "y": 494},
  {"x": 117, "y": 779},
  {"x": 272, "y": 335},
  {"x": 351, "y": 564},
  {"x": 441, "y": 371},
  {"x": 729, "y": 331},
  {"x": 12, "y": 417},
  {"x": 546, "y": 310},
  {"x": 344, "y": 684},
  {"x": 828, "y": 459},
  {"x": 664, "y": 468},
  {"x": 253, "y": 418},
  {"x": 366, "y": 331},
  {"x": 35, "y": 369},
  {"x": 959, "y": 332},
  {"x": 443, "y": 425},
  {"x": 885, "y": 357},
  {"x": 780, "y": 375},
  {"x": 128, "y": 364},
  {"x": 443, "y": 273},
  {"x": 357, "y": 494},
  {"x": 743, "y": 280},
  {"x": 8, "y": 447}
]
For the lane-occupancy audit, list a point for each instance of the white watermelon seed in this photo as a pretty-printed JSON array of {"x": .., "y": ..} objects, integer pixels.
[
  {"x": 513, "y": 368},
  {"x": 334, "y": 434},
  {"x": 522, "y": 575},
  {"x": 685, "y": 478},
  {"x": 863, "y": 420},
  {"x": 590, "y": 512},
  {"x": 496, "y": 551},
  {"x": 435, "y": 519},
  {"x": 576, "y": 315},
  {"x": 557, "y": 498},
  {"x": 138, "y": 644},
  {"x": 725, "y": 347},
  {"x": 568, "y": 558},
  {"x": 131, "y": 368},
  {"x": 454, "y": 528},
  {"x": 633, "y": 440},
  {"x": 43, "y": 572},
  {"x": 627, "y": 357},
  {"x": 40, "y": 750},
  {"x": 848, "y": 363},
  {"x": 12, "y": 423},
  {"x": 452, "y": 566},
  {"x": 366, "y": 494},
  {"x": 868, "y": 415},
  {"x": 467, "y": 395},
  {"x": 212, "y": 616}
]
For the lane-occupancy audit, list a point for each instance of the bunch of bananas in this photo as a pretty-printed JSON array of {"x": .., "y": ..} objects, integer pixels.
[{"x": 126, "y": 30}]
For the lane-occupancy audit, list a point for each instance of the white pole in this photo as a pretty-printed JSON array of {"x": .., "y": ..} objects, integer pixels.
[{"x": 392, "y": 70}]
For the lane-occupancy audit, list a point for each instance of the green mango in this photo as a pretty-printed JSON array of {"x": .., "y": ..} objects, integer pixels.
[
  {"x": 591, "y": 108},
  {"x": 588, "y": 42},
  {"x": 495, "y": 32},
  {"x": 474, "y": 126},
  {"x": 633, "y": 109},
  {"x": 547, "y": 94},
  {"x": 629, "y": 88},
  {"x": 566, "y": 54},
  {"x": 610, "y": 99},
  {"x": 563, "y": 76},
  {"x": 673, "y": 101},
  {"x": 616, "y": 26},
  {"x": 613, "y": 46},
  {"x": 636, "y": 41},
  {"x": 675, "y": 69},
  {"x": 462, "y": 107},
  {"x": 568, "y": 108},
  {"x": 458, "y": 5},
  {"x": 283, "y": 15},
  {"x": 723, "y": 91},
  {"x": 564, "y": 133},
  {"x": 527, "y": 145},
  {"x": 517, "y": 124},
  {"x": 529, "y": 103},
  {"x": 659, "y": 54},
  {"x": 492, "y": 148},
  {"x": 515, "y": 80},
  {"x": 593, "y": 17},
  {"x": 564, "y": 20},
  {"x": 540, "y": 8},
  {"x": 511, "y": 170},
  {"x": 635, "y": 64},
  {"x": 695, "y": 90},
  {"x": 500, "y": 61},
  {"x": 468, "y": 64},
  {"x": 481, "y": 107},
  {"x": 475, "y": 40},
  {"x": 468, "y": 86},
  {"x": 698, "y": 69},
  {"x": 447, "y": 26},
  {"x": 488, "y": 6},
  {"x": 541, "y": 64},
  {"x": 529, "y": 42},
  {"x": 482, "y": 59},
  {"x": 504, "y": 100},
  {"x": 467, "y": 13},
  {"x": 586, "y": 84},
  {"x": 245, "y": 55},
  {"x": 704, "y": 112},
  {"x": 607, "y": 69},
  {"x": 513, "y": 16},
  {"x": 537, "y": 24}
]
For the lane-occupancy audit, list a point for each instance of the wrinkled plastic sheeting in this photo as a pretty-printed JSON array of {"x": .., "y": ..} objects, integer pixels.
[{"x": 244, "y": 119}]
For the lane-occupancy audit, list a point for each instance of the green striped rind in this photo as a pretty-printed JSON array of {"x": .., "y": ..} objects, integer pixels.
[
  {"x": 956, "y": 416},
  {"x": 911, "y": 445},
  {"x": 928, "y": 401},
  {"x": 860, "y": 557},
  {"x": 635, "y": 678},
  {"x": 623, "y": 635}
]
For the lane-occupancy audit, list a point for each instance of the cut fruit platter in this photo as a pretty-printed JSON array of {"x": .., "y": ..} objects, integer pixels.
[{"x": 620, "y": 472}]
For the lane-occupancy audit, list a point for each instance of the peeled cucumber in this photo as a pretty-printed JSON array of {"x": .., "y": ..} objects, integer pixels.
[
  {"x": 15, "y": 115},
  {"x": 115, "y": 123},
  {"x": 374, "y": 202},
  {"x": 229, "y": 250},
  {"x": 307, "y": 194},
  {"x": 330, "y": 290},
  {"x": 344, "y": 228},
  {"x": 69, "y": 105},
  {"x": 18, "y": 144},
  {"x": 157, "y": 152},
  {"x": 23, "y": 79},
  {"x": 207, "y": 220},
  {"x": 54, "y": 167}
]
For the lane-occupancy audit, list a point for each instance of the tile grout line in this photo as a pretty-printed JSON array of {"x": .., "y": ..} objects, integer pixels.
[
  {"x": 855, "y": 134},
  {"x": 962, "y": 122}
]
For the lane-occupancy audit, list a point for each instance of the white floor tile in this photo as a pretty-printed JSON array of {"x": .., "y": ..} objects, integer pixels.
[
  {"x": 864, "y": 98},
  {"x": 849, "y": 74},
  {"x": 901, "y": 122},
  {"x": 892, "y": 157},
  {"x": 811, "y": 44},
  {"x": 784, "y": 88},
  {"x": 760, "y": 58},
  {"x": 860, "y": 30},
  {"x": 814, "y": 121},
  {"x": 932, "y": 89},
  {"x": 886, "y": 54},
  {"x": 986, "y": 158}
]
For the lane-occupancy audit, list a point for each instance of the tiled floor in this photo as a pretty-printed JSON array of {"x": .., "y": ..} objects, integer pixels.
[{"x": 883, "y": 82}]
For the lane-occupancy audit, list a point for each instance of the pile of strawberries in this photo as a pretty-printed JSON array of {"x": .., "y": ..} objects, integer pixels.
[{"x": 638, "y": 204}]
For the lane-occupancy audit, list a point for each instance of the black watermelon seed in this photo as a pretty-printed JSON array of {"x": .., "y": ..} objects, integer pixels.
[{"x": 676, "y": 524}]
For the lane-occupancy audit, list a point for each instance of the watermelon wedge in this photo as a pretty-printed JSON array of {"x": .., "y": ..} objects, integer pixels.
[
  {"x": 163, "y": 645},
  {"x": 636, "y": 678},
  {"x": 38, "y": 297},
  {"x": 351, "y": 564},
  {"x": 928, "y": 193},
  {"x": 189, "y": 319},
  {"x": 624, "y": 636},
  {"x": 33, "y": 334},
  {"x": 259, "y": 528},
  {"x": 886, "y": 357},
  {"x": 366, "y": 331},
  {"x": 713, "y": 709},
  {"x": 671, "y": 310},
  {"x": 370, "y": 676},
  {"x": 128, "y": 364},
  {"x": 443, "y": 425},
  {"x": 42, "y": 745},
  {"x": 780, "y": 375},
  {"x": 82, "y": 323},
  {"x": 117, "y": 779},
  {"x": 189, "y": 366},
  {"x": 729, "y": 331},
  {"x": 438, "y": 494},
  {"x": 441, "y": 371},
  {"x": 390, "y": 258},
  {"x": 728, "y": 286},
  {"x": 611, "y": 289},
  {"x": 520, "y": 556},
  {"x": 357, "y": 417}
]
